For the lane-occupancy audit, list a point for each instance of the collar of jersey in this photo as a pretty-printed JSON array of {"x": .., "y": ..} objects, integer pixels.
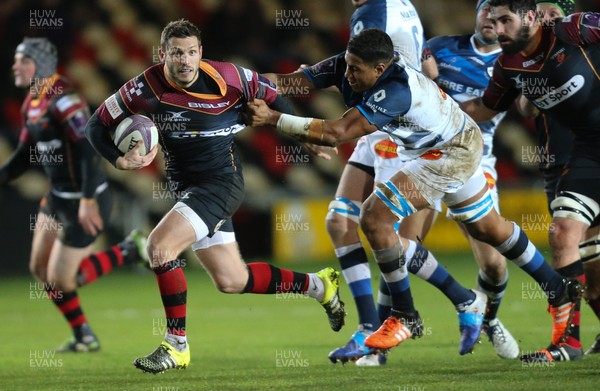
[
  {"x": 210, "y": 71},
  {"x": 48, "y": 82},
  {"x": 538, "y": 39},
  {"x": 479, "y": 52}
]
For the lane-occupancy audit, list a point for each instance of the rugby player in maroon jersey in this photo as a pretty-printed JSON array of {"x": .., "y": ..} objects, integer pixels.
[
  {"x": 553, "y": 66},
  {"x": 206, "y": 98},
  {"x": 73, "y": 212}
]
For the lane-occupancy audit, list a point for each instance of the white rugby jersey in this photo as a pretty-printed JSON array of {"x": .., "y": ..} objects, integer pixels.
[
  {"x": 404, "y": 103},
  {"x": 399, "y": 19}
]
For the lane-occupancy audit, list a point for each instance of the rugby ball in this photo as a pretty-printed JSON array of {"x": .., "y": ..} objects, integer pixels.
[{"x": 133, "y": 129}]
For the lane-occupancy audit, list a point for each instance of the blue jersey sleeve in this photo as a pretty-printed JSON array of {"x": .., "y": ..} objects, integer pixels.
[
  {"x": 434, "y": 45},
  {"x": 327, "y": 73},
  {"x": 386, "y": 104}
]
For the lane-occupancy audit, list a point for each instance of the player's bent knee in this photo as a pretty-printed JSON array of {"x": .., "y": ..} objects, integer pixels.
[
  {"x": 338, "y": 226},
  {"x": 61, "y": 283},
  {"x": 561, "y": 237},
  {"x": 159, "y": 251},
  {"x": 342, "y": 210},
  {"x": 475, "y": 211},
  {"x": 375, "y": 214}
]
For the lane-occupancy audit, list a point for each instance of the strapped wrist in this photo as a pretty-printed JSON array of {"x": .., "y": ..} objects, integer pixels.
[{"x": 301, "y": 128}]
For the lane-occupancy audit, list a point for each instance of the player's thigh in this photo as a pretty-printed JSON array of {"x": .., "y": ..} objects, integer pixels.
[
  {"x": 473, "y": 205},
  {"x": 174, "y": 233},
  {"x": 355, "y": 184},
  {"x": 224, "y": 264}
]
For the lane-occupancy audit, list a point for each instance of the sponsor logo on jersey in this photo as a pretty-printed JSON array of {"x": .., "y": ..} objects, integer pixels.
[
  {"x": 48, "y": 146},
  {"x": 386, "y": 149},
  {"x": 136, "y": 88},
  {"x": 207, "y": 133},
  {"x": 248, "y": 74},
  {"x": 535, "y": 60},
  {"x": 197, "y": 105},
  {"x": 560, "y": 94},
  {"x": 477, "y": 60},
  {"x": 518, "y": 81},
  {"x": 64, "y": 103},
  {"x": 177, "y": 116},
  {"x": 491, "y": 181},
  {"x": 219, "y": 224},
  {"x": 449, "y": 66},
  {"x": 34, "y": 112},
  {"x": 432, "y": 154},
  {"x": 490, "y": 71},
  {"x": 375, "y": 107},
  {"x": 408, "y": 14},
  {"x": 379, "y": 96},
  {"x": 113, "y": 107},
  {"x": 559, "y": 53},
  {"x": 358, "y": 27},
  {"x": 590, "y": 20}
]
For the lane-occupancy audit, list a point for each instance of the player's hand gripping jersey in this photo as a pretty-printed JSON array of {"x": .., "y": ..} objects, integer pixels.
[
  {"x": 196, "y": 126},
  {"x": 406, "y": 104}
]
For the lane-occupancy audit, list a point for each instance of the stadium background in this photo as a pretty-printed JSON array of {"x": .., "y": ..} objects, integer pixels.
[{"x": 104, "y": 43}]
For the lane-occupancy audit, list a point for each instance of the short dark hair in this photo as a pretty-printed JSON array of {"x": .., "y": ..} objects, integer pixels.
[
  {"x": 372, "y": 46},
  {"x": 515, "y": 6},
  {"x": 181, "y": 28}
]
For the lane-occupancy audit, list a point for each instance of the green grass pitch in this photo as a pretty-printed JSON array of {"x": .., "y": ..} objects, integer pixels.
[{"x": 272, "y": 342}]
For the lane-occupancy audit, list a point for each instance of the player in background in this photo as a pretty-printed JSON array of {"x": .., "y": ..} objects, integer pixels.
[
  {"x": 552, "y": 65},
  {"x": 73, "y": 212},
  {"x": 444, "y": 153},
  {"x": 555, "y": 142},
  {"x": 203, "y": 167},
  {"x": 463, "y": 66}
]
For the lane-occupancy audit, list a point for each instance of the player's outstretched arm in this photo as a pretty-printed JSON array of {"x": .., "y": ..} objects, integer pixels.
[
  {"x": 477, "y": 110},
  {"x": 317, "y": 131},
  {"x": 99, "y": 137}
]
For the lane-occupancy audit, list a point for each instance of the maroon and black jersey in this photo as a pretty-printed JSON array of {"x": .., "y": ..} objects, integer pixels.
[
  {"x": 560, "y": 76},
  {"x": 54, "y": 119},
  {"x": 196, "y": 125}
]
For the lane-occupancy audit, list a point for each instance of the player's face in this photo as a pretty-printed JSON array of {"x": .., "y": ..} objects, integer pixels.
[
  {"x": 182, "y": 59},
  {"x": 360, "y": 75},
  {"x": 23, "y": 70},
  {"x": 514, "y": 31},
  {"x": 549, "y": 12},
  {"x": 484, "y": 25}
]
